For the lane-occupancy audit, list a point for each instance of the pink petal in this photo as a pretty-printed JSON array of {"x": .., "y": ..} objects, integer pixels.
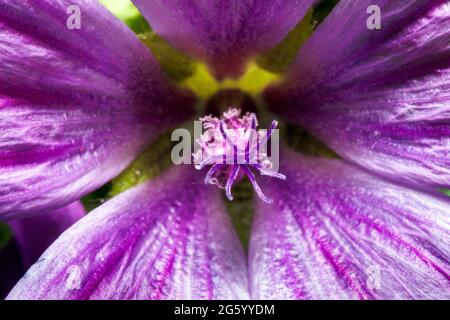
[
  {"x": 76, "y": 106},
  {"x": 336, "y": 232},
  {"x": 166, "y": 239}
]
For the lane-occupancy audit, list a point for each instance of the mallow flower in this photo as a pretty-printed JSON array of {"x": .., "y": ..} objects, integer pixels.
[{"x": 78, "y": 106}]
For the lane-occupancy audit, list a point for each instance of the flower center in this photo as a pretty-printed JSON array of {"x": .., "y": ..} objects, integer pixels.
[{"x": 233, "y": 148}]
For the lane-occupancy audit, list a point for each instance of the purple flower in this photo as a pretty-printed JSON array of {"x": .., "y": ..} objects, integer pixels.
[{"x": 77, "y": 106}]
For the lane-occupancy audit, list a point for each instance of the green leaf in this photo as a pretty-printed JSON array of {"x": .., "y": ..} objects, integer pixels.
[
  {"x": 96, "y": 198},
  {"x": 278, "y": 59},
  {"x": 301, "y": 140},
  {"x": 177, "y": 65},
  {"x": 128, "y": 13},
  {"x": 148, "y": 165}
]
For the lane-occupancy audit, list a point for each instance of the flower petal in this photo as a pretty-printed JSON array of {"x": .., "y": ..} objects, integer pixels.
[
  {"x": 35, "y": 234},
  {"x": 166, "y": 239},
  {"x": 75, "y": 105},
  {"x": 336, "y": 232},
  {"x": 378, "y": 97},
  {"x": 225, "y": 34}
]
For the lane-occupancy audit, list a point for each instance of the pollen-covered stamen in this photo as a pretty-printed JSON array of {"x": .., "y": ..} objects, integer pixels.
[{"x": 233, "y": 148}]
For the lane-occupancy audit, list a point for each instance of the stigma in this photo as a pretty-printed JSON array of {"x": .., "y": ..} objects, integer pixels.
[{"x": 232, "y": 148}]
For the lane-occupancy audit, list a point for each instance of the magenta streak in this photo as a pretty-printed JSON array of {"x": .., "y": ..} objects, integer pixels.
[
  {"x": 339, "y": 269},
  {"x": 29, "y": 154},
  {"x": 152, "y": 262},
  {"x": 210, "y": 284},
  {"x": 168, "y": 268},
  {"x": 420, "y": 255},
  {"x": 299, "y": 292},
  {"x": 384, "y": 231},
  {"x": 98, "y": 270}
]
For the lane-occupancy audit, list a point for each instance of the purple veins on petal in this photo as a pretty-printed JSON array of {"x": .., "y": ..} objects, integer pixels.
[
  {"x": 377, "y": 98},
  {"x": 233, "y": 147},
  {"x": 76, "y": 108},
  {"x": 224, "y": 34},
  {"x": 168, "y": 238},
  {"x": 335, "y": 231}
]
